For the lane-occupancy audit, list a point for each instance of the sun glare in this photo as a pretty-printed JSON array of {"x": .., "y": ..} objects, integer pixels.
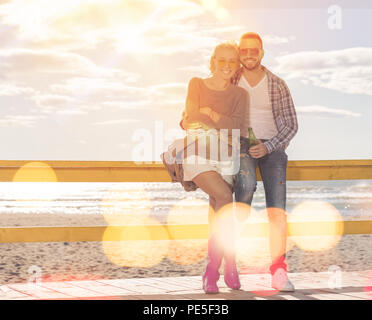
[
  {"x": 126, "y": 21},
  {"x": 34, "y": 16},
  {"x": 124, "y": 205}
]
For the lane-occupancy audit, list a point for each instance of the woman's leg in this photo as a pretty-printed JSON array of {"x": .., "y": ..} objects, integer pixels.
[
  {"x": 211, "y": 213},
  {"x": 219, "y": 195},
  {"x": 216, "y": 187}
]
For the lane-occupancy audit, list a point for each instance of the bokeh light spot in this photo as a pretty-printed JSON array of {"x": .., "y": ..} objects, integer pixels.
[
  {"x": 129, "y": 252},
  {"x": 368, "y": 287},
  {"x": 185, "y": 212},
  {"x": 181, "y": 222},
  {"x": 35, "y": 172},
  {"x": 187, "y": 251},
  {"x": 315, "y": 226}
]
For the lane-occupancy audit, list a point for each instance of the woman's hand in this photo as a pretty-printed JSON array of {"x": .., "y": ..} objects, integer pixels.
[
  {"x": 215, "y": 117},
  {"x": 189, "y": 124},
  {"x": 206, "y": 110}
]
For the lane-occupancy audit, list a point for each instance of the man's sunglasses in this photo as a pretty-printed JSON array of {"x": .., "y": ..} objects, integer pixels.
[
  {"x": 232, "y": 64},
  {"x": 251, "y": 51}
]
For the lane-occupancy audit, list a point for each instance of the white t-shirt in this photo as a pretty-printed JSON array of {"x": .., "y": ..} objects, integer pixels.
[{"x": 259, "y": 116}]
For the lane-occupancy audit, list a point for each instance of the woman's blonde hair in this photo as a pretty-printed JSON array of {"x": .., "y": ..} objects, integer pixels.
[{"x": 224, "y": 45}]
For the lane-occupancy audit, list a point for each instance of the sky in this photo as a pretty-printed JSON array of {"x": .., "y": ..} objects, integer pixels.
[{"x": 107, "y": 80}]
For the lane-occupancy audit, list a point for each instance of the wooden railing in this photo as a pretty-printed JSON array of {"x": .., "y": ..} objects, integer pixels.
[
  {"x": 129, "y": 171},
  {"x": 125, "y": 171}
]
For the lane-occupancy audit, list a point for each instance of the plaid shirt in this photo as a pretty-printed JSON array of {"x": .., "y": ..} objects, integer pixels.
[{"x": 283, "y": 110}]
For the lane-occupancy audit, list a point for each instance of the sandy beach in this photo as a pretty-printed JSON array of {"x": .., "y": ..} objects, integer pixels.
[{"x": 118, "y": 260}]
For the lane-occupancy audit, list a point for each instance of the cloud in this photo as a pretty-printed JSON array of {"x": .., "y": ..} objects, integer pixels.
[
  {"x": 132, "y": 26},
  {"x": 196, "y": 70},
  {"x": 103, "y": 93},
  {"x": 276, "y": 40},
  {"x": 27, "y": 62},
  {"x": 100, "y": 93},
  {"x": 8, "y": 89},
  {"x": 77, "y": 24},
  {"x": 127, "y": 105},
  {"x": 96, "y": 87},
  {"x": 50, "y": 102},
  {"x": 61, "y": 82},
  {"x": 117, "y": 121},
  {"x": 348, "y": 70},
  {"x": 14, "y": 121},
  {"x": 62, "y": 67},
  {"x": 322, "y": 110},
  {"x": 165, "y": 89},
  {"x": 72, "y": 112}
]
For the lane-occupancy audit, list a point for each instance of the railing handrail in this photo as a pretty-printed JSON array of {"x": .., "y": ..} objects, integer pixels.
[{"x": 130, "y": 171}]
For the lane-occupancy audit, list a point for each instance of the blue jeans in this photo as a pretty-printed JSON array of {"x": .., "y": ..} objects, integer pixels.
[{"x": 273, "y": 168}]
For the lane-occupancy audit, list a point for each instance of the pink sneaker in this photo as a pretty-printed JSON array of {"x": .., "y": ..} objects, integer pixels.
[{"x": 281, "y": 282}]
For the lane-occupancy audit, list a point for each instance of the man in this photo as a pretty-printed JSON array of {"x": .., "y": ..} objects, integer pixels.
[{"x": 272, "y": 116}]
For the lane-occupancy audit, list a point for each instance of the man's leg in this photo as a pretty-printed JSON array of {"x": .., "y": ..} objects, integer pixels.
[
  {"x": 246, "y": 180},
  {"x": 273, "y": 171}
]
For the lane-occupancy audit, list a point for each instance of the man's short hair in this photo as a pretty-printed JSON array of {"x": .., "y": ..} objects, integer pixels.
[{"x": 251, "y": 35}]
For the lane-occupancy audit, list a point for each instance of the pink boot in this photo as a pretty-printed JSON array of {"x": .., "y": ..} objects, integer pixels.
[
  {"x": 212, "y": 274},
  {"x": 231, "y": 275}
]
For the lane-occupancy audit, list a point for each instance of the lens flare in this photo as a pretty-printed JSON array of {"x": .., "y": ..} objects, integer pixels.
[
  {"x": 210, "y": 4},
  {"x": 31, "y": 193},
  {"x": 188, "y": 251},
  {"x": 253, "y": 255},
  {"x": 242, "y": 211},
  {"x": 315, "y": 226},
  {"x": 35, "y": 172},
  {"x": 276, "y": 219},
  {"x": 136, "y": 253},
  {"x": 265, "y": 292},
  {"x": 126, "y": 204},
  {"x": 216, "y": 7},
  {"x": 368, "y": 287},
  {"x": 251, "y": 251},
  {"x": 59, "y": 277},
  {"x": 222, "y": 13},
  {"x": 188, "y": 211},
  {"x": 181, "y": 222}
]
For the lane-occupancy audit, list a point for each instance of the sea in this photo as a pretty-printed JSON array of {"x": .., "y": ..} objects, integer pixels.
[{"x": 351, "y": 198}]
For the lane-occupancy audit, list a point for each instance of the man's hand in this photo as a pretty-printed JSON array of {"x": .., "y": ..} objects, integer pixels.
[{"x": 258, "y": 151}]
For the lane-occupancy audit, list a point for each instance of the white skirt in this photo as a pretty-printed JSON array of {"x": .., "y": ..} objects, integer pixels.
[{"x": 194, "y": 165}]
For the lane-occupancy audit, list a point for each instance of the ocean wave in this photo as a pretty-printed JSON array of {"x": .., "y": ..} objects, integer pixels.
[{"x": 351, "y": 198}]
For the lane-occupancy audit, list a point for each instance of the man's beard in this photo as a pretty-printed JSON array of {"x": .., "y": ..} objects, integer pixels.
[{"x": 257, "y": 64}]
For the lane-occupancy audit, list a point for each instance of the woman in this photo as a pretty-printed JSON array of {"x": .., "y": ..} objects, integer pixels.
[{"x": 212, "y": 104}]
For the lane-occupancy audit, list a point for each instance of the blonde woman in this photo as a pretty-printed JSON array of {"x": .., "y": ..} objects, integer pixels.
[{"x": 212, "y": 104}]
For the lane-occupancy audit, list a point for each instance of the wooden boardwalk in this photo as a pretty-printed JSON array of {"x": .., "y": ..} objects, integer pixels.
[{"x": 355, "y": 285}]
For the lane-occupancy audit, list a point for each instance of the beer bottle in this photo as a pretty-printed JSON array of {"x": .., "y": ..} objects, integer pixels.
[{"x": 252, "y": 138}]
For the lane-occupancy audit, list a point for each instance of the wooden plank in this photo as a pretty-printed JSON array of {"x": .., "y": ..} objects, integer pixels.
[
  {"x": 166, "y": 232},
  {"x": 129, "y": 171}
]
